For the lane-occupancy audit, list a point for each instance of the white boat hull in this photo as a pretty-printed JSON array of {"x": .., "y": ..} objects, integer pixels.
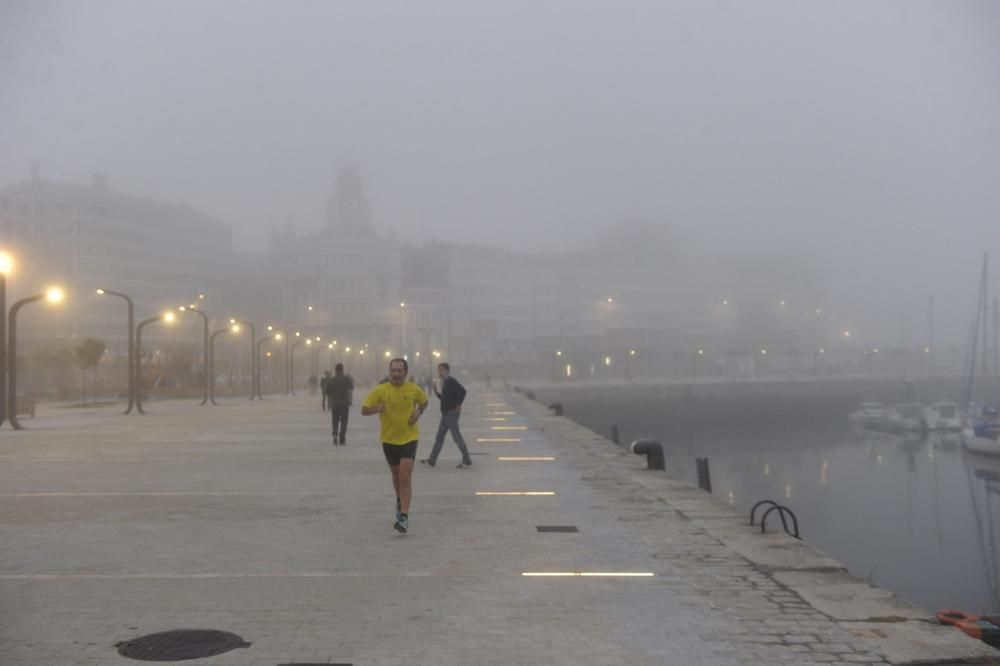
[{"x": 984, "y": 445}]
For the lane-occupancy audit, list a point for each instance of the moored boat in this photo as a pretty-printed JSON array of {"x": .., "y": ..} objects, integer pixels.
[
  {"x": 870, "y": 415},
  {"x": 908, "y": 417},
  {"x": 943, "y": 415}
]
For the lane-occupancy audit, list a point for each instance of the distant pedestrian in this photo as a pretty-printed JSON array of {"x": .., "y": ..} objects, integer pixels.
[
  {"x": 337, "y": 392},
  {"x": 322, "y": 387},
  {"x": 451, "y": 393},
  {"x": 399, "y": 405}
]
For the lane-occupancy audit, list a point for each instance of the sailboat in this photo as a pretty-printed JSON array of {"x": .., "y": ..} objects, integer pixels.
[{"x": 981, "y": 431}]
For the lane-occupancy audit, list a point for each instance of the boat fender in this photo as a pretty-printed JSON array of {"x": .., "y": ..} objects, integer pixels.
[{"x": 972, "y": 625}]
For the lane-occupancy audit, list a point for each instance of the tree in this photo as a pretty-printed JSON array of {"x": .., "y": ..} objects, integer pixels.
[{"x": 88, "y": 354}]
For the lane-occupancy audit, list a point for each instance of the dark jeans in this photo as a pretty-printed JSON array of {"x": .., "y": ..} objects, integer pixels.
[
  {"x": 449, "y": 421},
  {"x": 339, "y": 416}
]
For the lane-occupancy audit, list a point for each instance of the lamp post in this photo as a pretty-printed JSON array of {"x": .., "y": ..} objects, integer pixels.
[
  {"x": 211, "y": 359},
  {"x": 168, "y": 317},
  {"x": 402, "y": 326},
  {"x": 253, "y": 355},
  {"x": 288, "y": 366},
  {"x": 256, "y": 360},
  {"x": 291, "y": 364},
  {"x": 194, "y": 308},
  {"x": 52, "y": 295},
  {"x": 131, "y": 345},
  {"x": 315, "y": 358},
  {"x": 6, "y": 264}
]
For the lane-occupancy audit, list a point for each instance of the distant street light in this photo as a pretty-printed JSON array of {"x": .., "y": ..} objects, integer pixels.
[
  {"x": 131, "y": 345},
  {"x": 167, "y": 317},
  {"x": 257, "y": 361},
  {"x": 211, "y": 359},
  {"x": 6, "y": 266},
  {"x": 53, "y": 295},
  {"x": 194, "y": 308},
  {"x": 253, "y": 355},
  {"x": 291, "y": 363}
]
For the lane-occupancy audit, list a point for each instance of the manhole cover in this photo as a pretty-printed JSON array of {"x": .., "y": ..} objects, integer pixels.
[
  {"x": 180, "y": 644},
  {"x": 556, "y": 528}
]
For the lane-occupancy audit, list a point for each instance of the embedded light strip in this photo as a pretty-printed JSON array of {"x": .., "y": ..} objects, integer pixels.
[
  {"x": 497, "y": 404},
  {"x": 515, "y": 493},
  {"x": 508, "y": 427},
  {"x": 591, "y": 574},
  {"x": 524, "y": 458},
  {"x": 495, "y": 418},
  {"x": 501, "y": 413},
  {"x": 498, "y": 439}
]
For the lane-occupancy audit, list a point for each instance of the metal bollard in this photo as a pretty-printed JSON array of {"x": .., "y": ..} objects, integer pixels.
[
  {"x": 704, "y": 475},
  {"x": 653, "y": 451},
  {"x": 556, "y": 408},
  {"x": 614, "y": 434}
]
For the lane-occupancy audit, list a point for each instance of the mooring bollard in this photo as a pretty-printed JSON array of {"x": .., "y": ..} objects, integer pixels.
[
  {"x": 614, "y": 434},
  {"x": 704, "y": 476},
  {"x": 653, "y": 451}
]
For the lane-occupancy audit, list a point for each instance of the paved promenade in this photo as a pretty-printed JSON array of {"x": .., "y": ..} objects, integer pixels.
[{"x": 244, "y": 518}]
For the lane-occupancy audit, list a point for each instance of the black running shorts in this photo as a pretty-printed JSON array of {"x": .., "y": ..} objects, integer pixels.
[{"x": 396, "y": 452}]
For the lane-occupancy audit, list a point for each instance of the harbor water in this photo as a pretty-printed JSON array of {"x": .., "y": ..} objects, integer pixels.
[{"x": 919, "y": 516}]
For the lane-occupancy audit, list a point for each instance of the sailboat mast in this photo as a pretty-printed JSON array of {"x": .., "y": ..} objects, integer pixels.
[
  {"x": 930, "y": 337},
  {"x": 974, "y": 347},
  {"x": 985, "y": 307}
]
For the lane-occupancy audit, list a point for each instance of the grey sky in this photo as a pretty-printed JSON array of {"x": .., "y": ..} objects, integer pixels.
[{"x": 864, "y": 134}]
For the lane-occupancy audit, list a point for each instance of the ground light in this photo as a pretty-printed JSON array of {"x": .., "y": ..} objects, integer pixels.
[
  {"x": 589, "y": 574},
  {"x": 525, "y": 458},
  {"x": 493, "y": 440}
]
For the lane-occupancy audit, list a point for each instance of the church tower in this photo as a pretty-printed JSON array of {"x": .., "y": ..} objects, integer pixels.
[{"x": 348, "y": 211}]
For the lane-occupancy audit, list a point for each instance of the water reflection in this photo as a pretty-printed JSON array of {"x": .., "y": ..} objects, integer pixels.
[{"x": 918, "y": 516}]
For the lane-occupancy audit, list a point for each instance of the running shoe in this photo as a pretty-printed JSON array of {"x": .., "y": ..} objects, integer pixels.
[{"x": 402, "y": 524}]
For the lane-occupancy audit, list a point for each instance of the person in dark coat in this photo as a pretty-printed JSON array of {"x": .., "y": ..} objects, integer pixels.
[
  {"x": 338, "y": 392},
  {"x": 451, "y": 394}
]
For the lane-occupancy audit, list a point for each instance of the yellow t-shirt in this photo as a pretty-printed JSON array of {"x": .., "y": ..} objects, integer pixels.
[{"x": 399, "y": 403}]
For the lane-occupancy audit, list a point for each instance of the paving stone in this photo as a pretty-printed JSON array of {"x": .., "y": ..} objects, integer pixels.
[{"x": 244, "y": 518}]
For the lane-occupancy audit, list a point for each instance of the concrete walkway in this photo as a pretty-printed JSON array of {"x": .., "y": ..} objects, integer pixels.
[{"x": 245, "y": 518}]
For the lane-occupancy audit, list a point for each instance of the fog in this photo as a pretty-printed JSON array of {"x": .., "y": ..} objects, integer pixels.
[{"x": 861, "y": 137}]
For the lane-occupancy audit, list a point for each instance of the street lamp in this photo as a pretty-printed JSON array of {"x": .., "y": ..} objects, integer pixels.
[
  {"x": 167, "y": 317},
  {"x": 211, "y": 358},
  {"x": 194, "y": 308},
  {"x": 402, "y": 325},
  {"x": 52, "y": 295},
  {"x": 291, "y": 362},
  {"x": 253, "y": 355},
  {"x": 256, "y": 360},
  {"x": 131, "y": 345},
  {"x": 6, "y": 266}
]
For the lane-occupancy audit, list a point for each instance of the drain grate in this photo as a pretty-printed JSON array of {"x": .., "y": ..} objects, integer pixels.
[
  {"x": 181, "y": 644},
  {"x": 556, "y": 528}
]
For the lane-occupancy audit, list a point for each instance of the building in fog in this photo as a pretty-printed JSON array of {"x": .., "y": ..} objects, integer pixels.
[
  {"x": 340, "y": 282},
  {"x": 87, "y": 236}
]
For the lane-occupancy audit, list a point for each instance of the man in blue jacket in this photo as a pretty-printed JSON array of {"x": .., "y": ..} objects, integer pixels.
[{"x": 452, "y": 395}]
